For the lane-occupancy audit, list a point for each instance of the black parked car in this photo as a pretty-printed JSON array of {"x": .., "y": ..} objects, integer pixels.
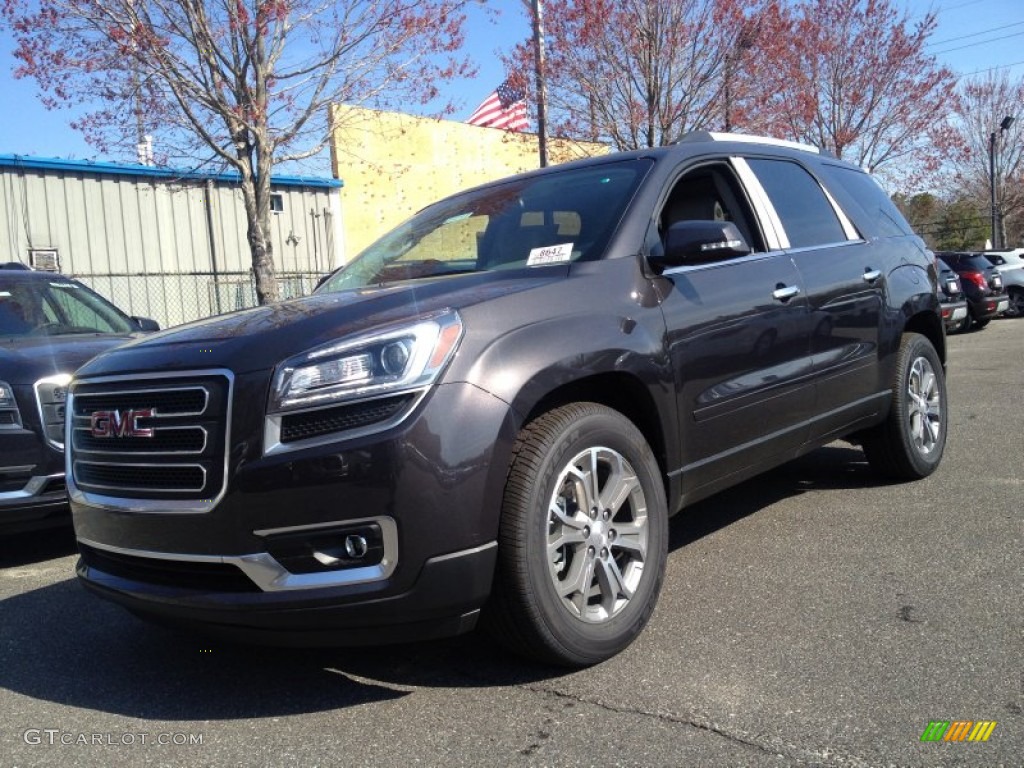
[
  {"x": 493, "y": 411},
  {"x": 951, "y": 294},
  {"x": 982, "y": 284},
  {"x": 49, "y": 326}
]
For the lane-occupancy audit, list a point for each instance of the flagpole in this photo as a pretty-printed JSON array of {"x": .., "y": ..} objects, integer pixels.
[{"x": 538, "y": 57}]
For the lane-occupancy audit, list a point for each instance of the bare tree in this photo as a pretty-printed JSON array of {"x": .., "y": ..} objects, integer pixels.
[
  {"x": 638, "y": 73},
  {"x": 244, "y": 85},
  {"x": 983, "y": 105}
]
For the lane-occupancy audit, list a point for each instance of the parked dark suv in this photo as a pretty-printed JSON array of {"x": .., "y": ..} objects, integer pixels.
[
  {"x": 49, "y": 325},
  {"x": 982, "y": 284},
  {"x": 495, "y": 408}
]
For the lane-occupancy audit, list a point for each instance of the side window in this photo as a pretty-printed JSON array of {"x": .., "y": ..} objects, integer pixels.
[
  {"x": 710, "y": 193},
  {"x": 804, "y": 210},
  {"x": 866, "y": 192}
]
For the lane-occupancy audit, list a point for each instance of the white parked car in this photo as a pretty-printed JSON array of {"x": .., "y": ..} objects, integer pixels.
[{"x": 1011, "y": 266}]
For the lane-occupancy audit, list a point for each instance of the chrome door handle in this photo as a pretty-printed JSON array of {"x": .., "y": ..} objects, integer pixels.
[
  {"x": 870, "y": 275},
  {"x": 785, "y": 292}
]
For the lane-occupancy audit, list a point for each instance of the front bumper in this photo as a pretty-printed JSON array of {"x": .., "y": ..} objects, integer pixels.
[
  {"x": 431, "y": 487},
  {"x": 32, "y": 491}
]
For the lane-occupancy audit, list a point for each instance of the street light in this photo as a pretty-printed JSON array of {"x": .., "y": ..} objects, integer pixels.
[{"x": 996, "y": 230}]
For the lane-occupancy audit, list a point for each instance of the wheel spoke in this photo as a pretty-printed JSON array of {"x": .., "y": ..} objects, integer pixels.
[
  {"x": 613, "y": 585},
  {"x": 617, "y": 489}
]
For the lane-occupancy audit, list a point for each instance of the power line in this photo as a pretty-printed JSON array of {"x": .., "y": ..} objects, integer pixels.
[
  {"x": 973, "y": 34},
  {"x": 975, "y": 45},
  {"x": 989, "y": 69}
]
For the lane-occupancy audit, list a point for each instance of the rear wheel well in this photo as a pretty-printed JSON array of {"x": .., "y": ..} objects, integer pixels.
[{"x": 929, "y": 325}]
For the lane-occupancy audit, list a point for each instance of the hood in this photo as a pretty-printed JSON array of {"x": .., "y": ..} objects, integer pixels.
[
  {"x": 24, "y": 359},
  {"x": 260, "y": 338}
]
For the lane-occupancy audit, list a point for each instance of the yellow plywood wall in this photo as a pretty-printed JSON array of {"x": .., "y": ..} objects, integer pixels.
[{"x": 393, "y": 164}]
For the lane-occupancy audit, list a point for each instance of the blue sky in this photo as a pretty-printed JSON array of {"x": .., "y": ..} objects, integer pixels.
[{"x": 973, "y": 36}]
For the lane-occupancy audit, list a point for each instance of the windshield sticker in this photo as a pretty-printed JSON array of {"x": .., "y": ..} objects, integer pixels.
[
  {"x": 5, "y": 294},
  {"x": 458, "y": 217},
  {"x": 552, "y": 254},
  {"x": 70, "y": 286}
]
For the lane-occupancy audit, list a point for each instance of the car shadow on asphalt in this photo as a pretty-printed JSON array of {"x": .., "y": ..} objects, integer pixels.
[
  {"x": 36, "y": 546},
  {"x": 838, "y": 465},
  {"x": 60, "y": 644}
]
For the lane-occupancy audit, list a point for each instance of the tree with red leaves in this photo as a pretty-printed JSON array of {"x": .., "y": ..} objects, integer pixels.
[
  {"x": 244, "y": 85},
  {"x": 639, "y": 73},
  {"x": 852, "y": 77}
]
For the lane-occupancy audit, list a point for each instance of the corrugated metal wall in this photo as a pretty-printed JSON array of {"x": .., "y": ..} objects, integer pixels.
[{"x": 143, "y": 242}]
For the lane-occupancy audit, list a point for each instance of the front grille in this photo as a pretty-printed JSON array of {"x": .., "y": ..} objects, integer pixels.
[
  {"x": 152, "y": 437},
  {"x": 215, "y": 577},
  {"x": 303, "y": 426}
]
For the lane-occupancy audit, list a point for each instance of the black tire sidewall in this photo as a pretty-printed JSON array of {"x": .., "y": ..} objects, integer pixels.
[
  {"x": 917, "y": 346},
  {"x": 583, "y": 641}
]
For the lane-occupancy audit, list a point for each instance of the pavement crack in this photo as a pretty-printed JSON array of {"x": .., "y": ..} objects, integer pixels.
[{"x": 771, "y": 745}]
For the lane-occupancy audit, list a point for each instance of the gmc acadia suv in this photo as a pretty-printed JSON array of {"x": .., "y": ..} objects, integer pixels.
[{"x": 493, "y": 411}]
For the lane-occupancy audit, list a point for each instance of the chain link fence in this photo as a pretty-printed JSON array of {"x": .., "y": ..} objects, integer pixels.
[{"x": 174, "y": 298}]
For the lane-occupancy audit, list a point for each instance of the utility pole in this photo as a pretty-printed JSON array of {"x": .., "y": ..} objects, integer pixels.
[{"x": 538, "y": 59}]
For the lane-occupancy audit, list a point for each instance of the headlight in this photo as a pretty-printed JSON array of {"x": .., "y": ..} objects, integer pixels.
[
  {"x": 10, "y": 417},
  {"x": 400, "y": 358},
  {"x": 51, "y": 395},
  {"x": 7, "y": 396}
]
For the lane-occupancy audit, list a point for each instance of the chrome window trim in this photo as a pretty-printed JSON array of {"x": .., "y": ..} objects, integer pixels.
[
  {"x": 774, "y": 232},
  {"x": 270, "y": 576},
  {"x": 159, "y": 506},
  {"x": 750, "y": 257},
  {"x": 272, "y": 444}
]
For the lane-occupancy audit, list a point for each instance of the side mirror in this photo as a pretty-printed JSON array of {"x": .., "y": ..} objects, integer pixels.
[
  {"x": 145, "y": 324},
  {"x": 696, "y": 242}
]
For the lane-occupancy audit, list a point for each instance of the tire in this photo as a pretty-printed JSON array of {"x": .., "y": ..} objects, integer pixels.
[
  {"x": 1016, "y": 303},
  {"x": 908, "y": 445},
  {"x": 574, "y": 586},
  {"x": 977, "y": 325}
]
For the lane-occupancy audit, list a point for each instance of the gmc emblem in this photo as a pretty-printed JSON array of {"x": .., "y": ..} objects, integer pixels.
[{"x": 121, "y": 423}]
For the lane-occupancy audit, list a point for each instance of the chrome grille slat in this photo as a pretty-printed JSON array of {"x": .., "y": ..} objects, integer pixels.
[{"x": 158, "y": 445}]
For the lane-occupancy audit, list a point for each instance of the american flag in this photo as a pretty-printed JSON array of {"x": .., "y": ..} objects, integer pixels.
[{"x": 505, "y": 108}]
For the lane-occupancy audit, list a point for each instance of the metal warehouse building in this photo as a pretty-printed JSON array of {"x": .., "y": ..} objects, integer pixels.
[{"x": 162, "y": 243}]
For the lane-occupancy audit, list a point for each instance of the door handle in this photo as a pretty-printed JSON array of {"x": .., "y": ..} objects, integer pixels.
[
  {"x": 784, "y": 293},
  {"x": 870, "y": 275}
]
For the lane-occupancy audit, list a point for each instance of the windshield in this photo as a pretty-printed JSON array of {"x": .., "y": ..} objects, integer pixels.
[
  {"x": 550, "y": 219},
  {"x": 55, "y": 306}
]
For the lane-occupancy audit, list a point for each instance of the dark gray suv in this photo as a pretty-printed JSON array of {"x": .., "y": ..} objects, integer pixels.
[
  {"x": 492, "y": 412},
  {"x": 49, "y": 325}
]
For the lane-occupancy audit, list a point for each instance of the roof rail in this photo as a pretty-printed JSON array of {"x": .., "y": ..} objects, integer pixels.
[{"x": 697, "y": 136}]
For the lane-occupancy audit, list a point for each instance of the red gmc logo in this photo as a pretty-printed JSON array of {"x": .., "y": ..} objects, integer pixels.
[{"x": 121, "y": 423}]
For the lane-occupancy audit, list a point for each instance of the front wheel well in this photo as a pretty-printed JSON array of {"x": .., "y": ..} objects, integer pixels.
[{"x": 618, "y": 391}]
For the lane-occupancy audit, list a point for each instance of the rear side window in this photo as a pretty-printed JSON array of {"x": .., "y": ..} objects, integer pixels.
[
  {"x": 883, "y": 214},
  {"x": 801, "y": 204}
]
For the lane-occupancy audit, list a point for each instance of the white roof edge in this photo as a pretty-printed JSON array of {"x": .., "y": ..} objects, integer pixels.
[{"x": 749, "y": 139}]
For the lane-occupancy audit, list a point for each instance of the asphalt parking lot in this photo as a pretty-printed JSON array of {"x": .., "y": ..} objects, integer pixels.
[{"x": 813, "y": 616}]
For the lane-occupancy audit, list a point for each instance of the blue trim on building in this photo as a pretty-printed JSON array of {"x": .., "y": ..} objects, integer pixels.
[{"x": 24, "y": 162}]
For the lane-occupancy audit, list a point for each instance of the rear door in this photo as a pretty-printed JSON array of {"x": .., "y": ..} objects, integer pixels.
[{"x": 844, "y": 277}]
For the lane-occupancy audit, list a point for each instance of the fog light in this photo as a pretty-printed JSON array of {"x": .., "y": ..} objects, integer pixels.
[
  {"x": 356, "y": 547},
  {"x": 328, "y": 549}
]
